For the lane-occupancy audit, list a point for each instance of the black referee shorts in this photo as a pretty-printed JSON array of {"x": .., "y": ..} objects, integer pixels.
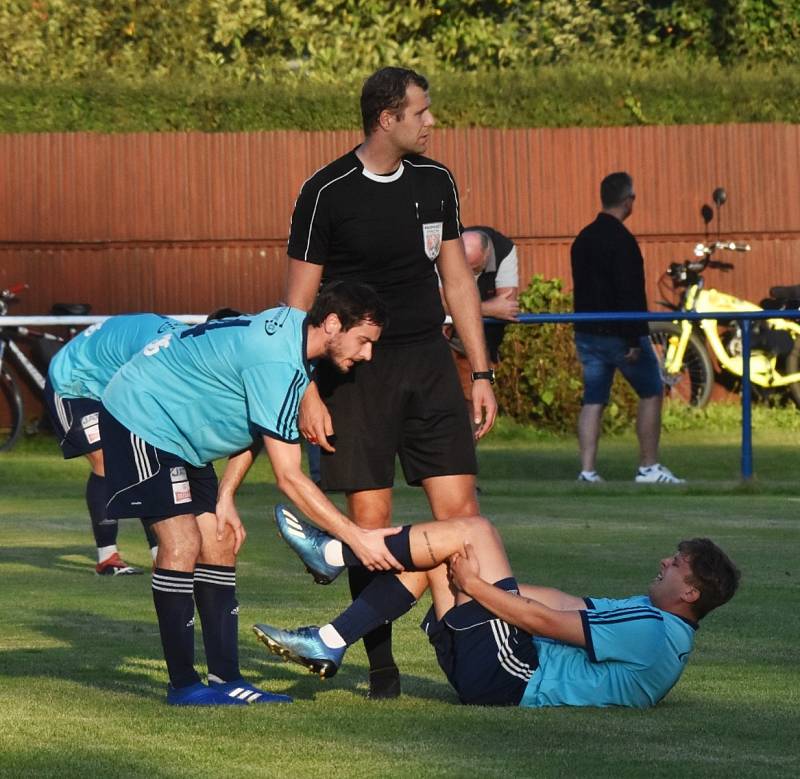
[
  {"x": 487, "y": 661},
  {"x": 406, "y": 401}
]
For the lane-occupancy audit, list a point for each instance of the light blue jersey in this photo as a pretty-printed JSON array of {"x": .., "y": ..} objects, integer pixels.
[
  {"x": 83, "y": 368},
  {"x": 634, "y": 655},
  {"x": 208, "y": 391}
]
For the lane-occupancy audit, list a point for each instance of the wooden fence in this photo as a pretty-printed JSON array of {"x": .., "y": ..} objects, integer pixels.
[{"x": 189, "y": 222}]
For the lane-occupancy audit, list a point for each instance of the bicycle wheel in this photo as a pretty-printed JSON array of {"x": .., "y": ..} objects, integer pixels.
[
  {"x": 695, "y": 380},
  {"x": 10, "y": 411},
  {"x": 793, "y": 366}
]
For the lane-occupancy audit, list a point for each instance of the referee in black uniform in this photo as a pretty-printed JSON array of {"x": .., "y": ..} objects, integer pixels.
[{"x": 385, "y": 215}]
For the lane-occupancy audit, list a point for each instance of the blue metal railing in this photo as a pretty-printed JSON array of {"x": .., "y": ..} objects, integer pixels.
[{"x": 746, "y": 319}]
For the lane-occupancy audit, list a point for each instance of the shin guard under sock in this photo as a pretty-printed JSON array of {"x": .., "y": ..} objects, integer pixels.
[
  {"x": 383, "y": 600},
  {"x": 399, "y": 545},
  {"x": 172, "y": 597},
  {"x": 104, "y": 529},
  {"x": 215, "y": 596}
]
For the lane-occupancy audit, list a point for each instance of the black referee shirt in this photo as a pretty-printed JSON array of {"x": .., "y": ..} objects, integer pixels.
[{"x": 375, "y": 229}]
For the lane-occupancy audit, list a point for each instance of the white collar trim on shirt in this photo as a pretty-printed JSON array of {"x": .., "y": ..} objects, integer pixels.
[{"x": 383, "y": 179}]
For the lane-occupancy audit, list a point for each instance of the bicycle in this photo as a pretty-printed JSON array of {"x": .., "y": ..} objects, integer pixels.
[
  {"x": 684, "y": 348},
  {"x": 44, "y": 345}
]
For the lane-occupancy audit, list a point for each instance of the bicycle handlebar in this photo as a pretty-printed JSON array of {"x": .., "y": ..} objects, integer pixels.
[{"x": 12, "y": 292}]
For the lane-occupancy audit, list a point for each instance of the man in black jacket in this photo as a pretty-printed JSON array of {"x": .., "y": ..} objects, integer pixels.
[{"x": 608, "y": 275}]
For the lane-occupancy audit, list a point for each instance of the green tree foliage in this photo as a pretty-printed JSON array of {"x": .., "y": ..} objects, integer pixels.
[
  {"x": 539, "y": 376},
  {"x": 260, "y": 40}
]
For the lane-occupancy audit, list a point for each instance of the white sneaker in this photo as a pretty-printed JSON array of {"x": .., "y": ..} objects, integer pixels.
[
  {"x": 591, "y": 476},
  {"x": 657, "y": 474}
]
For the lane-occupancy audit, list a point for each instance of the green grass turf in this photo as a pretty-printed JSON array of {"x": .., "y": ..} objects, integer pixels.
[{"x": 82, "y": 678}]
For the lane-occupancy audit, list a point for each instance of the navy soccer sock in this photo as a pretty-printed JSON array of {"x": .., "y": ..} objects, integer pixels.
[
  {"x": 399, "y": 545},
  {"x": 381, "y": 601},
  {"x": 172, "y": 596},
  {"x": 215, "y": 595},
  {"x": 104, "y": 529}
]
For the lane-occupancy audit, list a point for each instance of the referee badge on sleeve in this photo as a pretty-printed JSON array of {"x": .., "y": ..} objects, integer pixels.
[{"x": 432, "y": 238}]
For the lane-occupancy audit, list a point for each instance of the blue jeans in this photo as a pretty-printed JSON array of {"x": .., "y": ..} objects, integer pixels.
[{"x": 601, "y": 355}]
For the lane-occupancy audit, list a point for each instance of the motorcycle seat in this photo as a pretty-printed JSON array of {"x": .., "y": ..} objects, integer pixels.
[
  {"x": 785, "y": 293},
  {"x": 70, "y": 309}
]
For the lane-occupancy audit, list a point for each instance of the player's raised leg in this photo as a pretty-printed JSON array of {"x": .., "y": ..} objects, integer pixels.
[{"x": 388, "y": 596}]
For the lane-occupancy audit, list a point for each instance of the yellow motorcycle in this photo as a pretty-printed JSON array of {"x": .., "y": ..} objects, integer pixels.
[{"x": 685, "y": 348}]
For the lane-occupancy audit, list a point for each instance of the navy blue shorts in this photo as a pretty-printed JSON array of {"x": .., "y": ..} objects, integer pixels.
[
  {"x": 406, "y": 401},
  {"x": 76, "y": 422},
  {"x": 601, "y": 355},
  {"x": 149, "y": 483},
  {"x": 487, "y": 661}
]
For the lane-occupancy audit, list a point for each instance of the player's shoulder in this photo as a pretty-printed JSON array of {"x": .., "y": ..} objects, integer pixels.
[
  {"x": 427, "y": 166},
  {"x": 339, "y": 170},
  {"x": 282, "y": 321},
  {"x": 633, "y": 603}
]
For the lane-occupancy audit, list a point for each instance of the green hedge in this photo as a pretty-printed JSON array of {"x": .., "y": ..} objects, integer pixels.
[
  {"x": 254, "y": 40},
  {"x": 559, "y": 96},
  {"x": 539, "y": 377}
]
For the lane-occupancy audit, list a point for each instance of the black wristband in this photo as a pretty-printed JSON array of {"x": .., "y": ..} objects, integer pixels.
[{"x": 484, "y": 375}]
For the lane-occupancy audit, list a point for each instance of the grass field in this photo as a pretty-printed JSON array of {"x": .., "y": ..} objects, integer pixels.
[{"x": 83, "y": 679}]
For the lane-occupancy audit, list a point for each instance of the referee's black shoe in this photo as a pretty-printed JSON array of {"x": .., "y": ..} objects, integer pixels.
[{"x": 384, "y": 683}]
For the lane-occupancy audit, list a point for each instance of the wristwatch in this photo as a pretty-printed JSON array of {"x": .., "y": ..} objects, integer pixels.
[{"x": 484, "y": 375}]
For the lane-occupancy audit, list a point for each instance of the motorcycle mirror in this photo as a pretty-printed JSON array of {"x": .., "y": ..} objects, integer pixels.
[
  {"x": 707, "y": 213},
  {"x": 720, "y": 196}
]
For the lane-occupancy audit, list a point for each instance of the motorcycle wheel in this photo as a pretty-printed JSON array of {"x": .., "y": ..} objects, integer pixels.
[
  {"x": 694, "y": 382},
  {"x": 793, "y": 366}
]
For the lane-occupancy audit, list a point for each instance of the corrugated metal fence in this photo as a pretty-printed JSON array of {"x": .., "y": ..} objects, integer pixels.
[{"x": 192, "y": 221}]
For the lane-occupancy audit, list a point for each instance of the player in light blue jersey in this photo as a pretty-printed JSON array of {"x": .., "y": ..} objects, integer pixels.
[
  {"x": 207, "y": 392},
  {"x": 504, "y": 644},
  {"x": 76, "y": 378}
]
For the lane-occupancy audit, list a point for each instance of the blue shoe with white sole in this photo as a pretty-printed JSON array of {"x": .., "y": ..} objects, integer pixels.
[
  {"x": 302, "y": 646},
  {"x": 308, "y": 543},
  {"x": 199, "y": 695},
  {"x": 244, "y": 691}
]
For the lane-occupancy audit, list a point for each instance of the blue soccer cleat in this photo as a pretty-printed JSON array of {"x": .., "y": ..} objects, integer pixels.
[
  {"x": 245, "y": 691},
  {"x": 199, "y": 695},
  {"x": 302, "y": 646},
  {"x": 308, "y": 543}
]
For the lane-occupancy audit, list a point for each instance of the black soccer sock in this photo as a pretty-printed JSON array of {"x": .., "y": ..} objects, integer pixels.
[
  {"x": 383, "y": 600},
  {"x": 399, "y": 545},
  {"x": 172, "y": 596},
  {"x": 215, "y": 595},
  {"x": 104, "y": 529},
  {"x": 152, "y": 538}
]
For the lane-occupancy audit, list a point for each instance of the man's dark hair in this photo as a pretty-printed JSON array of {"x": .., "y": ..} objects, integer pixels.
[
  {"x": 352, "y": 301},
  {"x": 614, "y": 188},
  {"x": 713, "y": 574},
  {"x": 386, "y": 90},
  {"x": 223, "y": 313}
]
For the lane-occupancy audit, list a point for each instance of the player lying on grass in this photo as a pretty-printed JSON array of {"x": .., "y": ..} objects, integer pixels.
[{"x": 504, "y": 644}]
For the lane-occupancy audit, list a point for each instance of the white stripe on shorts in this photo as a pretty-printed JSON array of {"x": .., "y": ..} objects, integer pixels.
[
  {"x": 140, "y": 457},
  {"x": 507, "y": 659}
]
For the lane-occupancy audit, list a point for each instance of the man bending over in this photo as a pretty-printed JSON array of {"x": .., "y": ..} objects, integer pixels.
[{"x": 504, "y": 644}]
